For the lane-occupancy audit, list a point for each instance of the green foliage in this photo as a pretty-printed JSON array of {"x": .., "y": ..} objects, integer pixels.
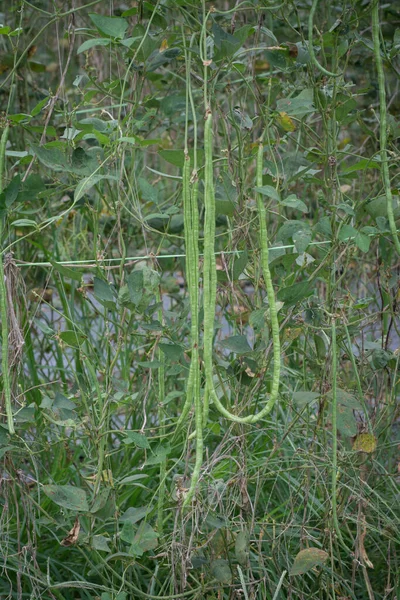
[{"x": 198, "y": 213}]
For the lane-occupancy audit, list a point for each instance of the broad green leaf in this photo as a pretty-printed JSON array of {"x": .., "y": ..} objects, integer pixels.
[
  {"x": 301, "y": 240},
  {"x": 221, "y": 570},
  {"x": 100, "y": 500},
  {"x": 177, "y": 157},
  {"x": 363, "y": 241},
  {"x": 380, "y": 359},
  {"x": 135, "y": 283},
  {"x": 308, "y": 559},
  {"x": 87, "y": 183},
  {"x": 300, "y": 106},
  {"x": 295, "y": 293},
  {"x": 347, "y": 399},
  {"x": 240, "y": 264},
  {"x": 303, "y": 398},
  {"x": 150, "y": 364},
  {"x": 347, "y": 233},
  {"x": 103, "y": 292},
  {"x": 72, "y": 338},
  {"x": 290, "y": 227},
  {"x": 100, "y": 542},
  {"x": 268, "y": 190},
  {"x": 83, "y": 163},
  {"x": 134, "y": 514},
  {"x": 138, "y": 439},
  {"x": 346, "y": 422},
  {"x": 242, "y": 548},
  {"x": 66, "y": 271},
  {"x": 226, "y": 43},
  {"x": 51, "y": 156},
  {"x": 171, "y": 351},
  {"x": 11, "y": 191},
  {"x": 361, "y": 165},
  {"x": 159, "y": 455},
  {"x": 258, "y": 318},
  {"x": 145, "y": 539},
  {"x": 92, "y": 43},
  {"x": 67, "y": 496},
  {"x": 237, "y": 344},
  {"x": 295, "y": 203},
  {"x": 115, "y": 27},
  {"x": 378, "y": 207}
]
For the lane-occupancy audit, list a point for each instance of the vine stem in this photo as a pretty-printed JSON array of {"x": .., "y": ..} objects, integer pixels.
[
  {"x": 383, "y": 123},
  {"x": 3, "y": 301}
]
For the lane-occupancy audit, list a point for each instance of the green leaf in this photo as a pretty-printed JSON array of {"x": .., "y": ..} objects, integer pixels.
[
  {"x": 303, "y": 398},
  {"x": 134, "y": 514},
  {"x": 346, "y": 233},
  {"x": 240, "y": 264},
  {"x": 177, "y": 157},
  {"x": 295, "y": 293},
  {"x": 66, "y": 271},
  {"x": 171, "y": 351},
  {"x": 92, "y": 43},
  {"x": 67, "y": 496},
  {"x": 293, "y": 202},
  {"x": 346, "y": 423},
  {"x": 138, "y": 439},
  {"x": 242, "y": 548},
  {"x": 150, "y": 364},
  {"x": 380, "y": 359},
  {"x": 115, "y": 27},
  {"x": 289, "y": 228},
  {"x": 52, "y": 157},
  {"x": 237, "y": 344},
  {"x": 87, "y": 183},
  {"x": 268, "y": 190},
  {"x": 361, "y": 165},
  {"x": 145, "y": 539},
  {"x": 221, "y": 570},
  {"x": 100, "y": 542},
  {"x": 301, "y": 240},
  {"x": 135, "y": 283},
  {"x": 100, "y": 500},
  {"x": 159, "y": 456},
  {"x": 300, "y": 106},
  {"x": 363, "y": 241},
  {"x": 308, "y": 559},
  {"x": 104, "y": 293},
  {"x": 226, "y": 43},
  {"x": 72, "y": 338},
  {"x": 11, "y": 191}
]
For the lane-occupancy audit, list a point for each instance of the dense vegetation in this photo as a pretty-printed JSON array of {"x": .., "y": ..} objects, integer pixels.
[{"x": 199, "y": 282}]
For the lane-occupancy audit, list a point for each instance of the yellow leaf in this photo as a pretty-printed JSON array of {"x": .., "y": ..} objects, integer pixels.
[
  {"x": 365, "y": 442},
  {"x": 164, "y": 46},
  {"x": 286, "y": 122}
]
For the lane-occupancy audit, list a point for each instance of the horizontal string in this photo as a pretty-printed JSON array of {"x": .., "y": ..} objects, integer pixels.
[
  {"x": 92, "y": 263},
  {"x": 88, "y": 264}
]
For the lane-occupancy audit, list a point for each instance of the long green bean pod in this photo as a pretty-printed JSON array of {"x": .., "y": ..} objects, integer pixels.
[
  {"x": 311, "y": 43},
  {"x": 3, "y": 302},
  {"x": 271, "y": 300},
  {"x": 334, "y": 435},
  {"x": 383, "y": 123}
]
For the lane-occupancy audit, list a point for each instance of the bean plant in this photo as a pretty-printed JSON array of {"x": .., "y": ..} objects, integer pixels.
[{"x": 199, "y": 288}]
